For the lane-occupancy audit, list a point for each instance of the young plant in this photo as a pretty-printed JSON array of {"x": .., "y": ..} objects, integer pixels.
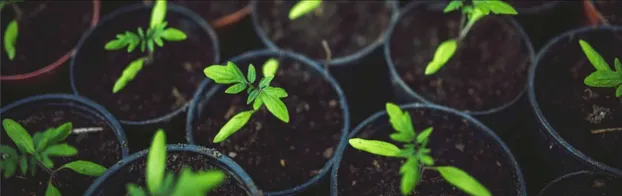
[
  {"x": 416, "y": 154},
  {"x": 470, "y": 14},
  {"x": 159, "y": 184},
  {"x": 603, "y": 76},
  {"x": 263, "y": 94},
  {"x": 36, "y": 151},
  {"x": 12, "y": 29},
  {"x": 303, "y": 7},
  {"x": 146, "y": 40}
]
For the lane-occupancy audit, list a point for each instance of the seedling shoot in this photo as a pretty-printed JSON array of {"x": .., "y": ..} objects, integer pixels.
[
  {"x": 603, "y": 77},
  {"x": 146, "y": 40},
  {"x": 12, "y": 29},
  {"x": 470, "y": 15},
  {"x": 35, "y": 152},
  {"x": 417, "y": 155},
  {"x": 263, "y": 94},
  {"x": 303, "y": 7}
]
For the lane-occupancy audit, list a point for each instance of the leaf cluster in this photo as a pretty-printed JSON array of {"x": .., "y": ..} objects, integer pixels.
[
  {"x": 416, "y": 153},
  {"x": 37, "y": 150},
  {"x": 263, "y": 94},
  {"x": 303, "y": 7},
  {"x": 603, "y": 76},
  {"x": 160, "y": 183}
]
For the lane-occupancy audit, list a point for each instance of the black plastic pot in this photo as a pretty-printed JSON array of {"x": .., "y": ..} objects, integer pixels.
[
  {"x": 584, "y": 183},
  {"x": 91, "y": 48},
  {"x": 112, "y": 180},
  {"x": 208, "y": 92},
  {"x": 563, "y": 76},
  {"x": 444, "y": 138},
  {"x": 38, "y": 113}
]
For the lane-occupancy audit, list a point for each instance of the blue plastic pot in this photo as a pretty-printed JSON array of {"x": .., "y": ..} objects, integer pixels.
[
  {"x": 223, "y": 163},
  {"x": 490, "y": 136},
  {"x": 582, "y": 183},
  {"x": 206, "y": 91},
  {"x": 198, "y": 20},
  {"x": 335, "y": 61}
]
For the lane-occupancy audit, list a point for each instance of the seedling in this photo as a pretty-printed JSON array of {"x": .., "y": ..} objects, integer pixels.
[
  {"x": 303, "y": 7},
  {"x": 416, "y": 154},
  {"x": 146, "y": 40},
  {"x": 37, "y": 150},
  {"x": 159, "y": 184},
  {"x": 470, "y": 14},
  {"x": 12, "y": 29},
  {"x": 603, "y": 77},
  {"x": 264, "y": 94}
]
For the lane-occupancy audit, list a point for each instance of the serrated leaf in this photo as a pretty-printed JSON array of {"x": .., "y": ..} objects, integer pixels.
[
  {"x": 603, "y": 79},
  {"x": 265, "y": 81},
  {"x": 453, "y": 5},
  {"x": 115, "y": 44},
  {"x": 156, "y": 161},
  {"x": 128, "y": 74},
  {"x": 87, "y": 168},
  {"x": 258, "y": 102},
  {"x": 424, "y": 135},
  {"x": 410, "y": 175},
  {"x": 19, "y": 135},
  {"x": 236, "y": 88},
  {"x": 220, "y": 74},
  {"x": 251, "y": 75},
  {"x": 275, "y": 92},
  {"x": 275, "y": 106},
  {"x": 61, "y": 150},
  {"x": 303, "y": 7},
  {"x": 233, "y": 125},
  {"x": 443, "y": 53},
  {"x": 135, "y": 190},
  {"x": 597, "y": 61},
  {"x": 463, "y": 181},
  {"x": 10, "y": 38},
  {"x": 376, "y": 147},
  {"x": 400, "y": 121},
  {"x": 270, "y": 67},
  {"x": 158, "y": 13},
  {"x": 60, "y": 133},
  {"x": 197, "y": 183},
  {"x": 173, "y": 34},
  {"x": 232, "y": 68},
  {"x": 51, "y": 190},
  {"x": 496, "y": 7},
  {"x": 252, "y": 96}
]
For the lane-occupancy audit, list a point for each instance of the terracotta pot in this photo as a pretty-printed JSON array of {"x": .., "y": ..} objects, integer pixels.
[{"x": 594, "y": 16}]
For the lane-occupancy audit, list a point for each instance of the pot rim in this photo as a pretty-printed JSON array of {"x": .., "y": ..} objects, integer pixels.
[{"x": 570, "y": 175}]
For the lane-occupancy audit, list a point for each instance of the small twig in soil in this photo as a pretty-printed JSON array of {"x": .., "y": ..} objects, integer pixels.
[
  {"x": 86, "y": 130},
  {"x": 598, "y": 131},
  {"x": 328, "y": 55}
]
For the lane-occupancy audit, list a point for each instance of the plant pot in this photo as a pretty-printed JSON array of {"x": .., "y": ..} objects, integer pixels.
[
  {"x": 162, "y": 89},
  {"x": 457, "y": 140},
  {"x": 45, "y": 111},
  {"x": 132, "y": 170},
  {"x": 35, "y": 57},
  {"x": 567, "y": 110},
  {"x": 282, "y": 158},
  {"x": 603, "y": 12},
  {"x": 584, "y": 183},
  {"x": 531, "y": 7},
  {"x": 337, "y": 25}
]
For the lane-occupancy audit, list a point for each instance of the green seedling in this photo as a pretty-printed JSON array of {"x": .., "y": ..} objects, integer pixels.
[
  {"x": 161, "y": 184},
  {"x": 303, "y": 7},
  {"x": 12, "y": 29},
  {"x": 263, "y": 94},
  {"x": 154, "y": 35},
  {"x": 37, "y": 150},
  {"x": 417, "y": 155},
  {"x": 470, "y": 14},
  {"x": 603, "y": 77}
]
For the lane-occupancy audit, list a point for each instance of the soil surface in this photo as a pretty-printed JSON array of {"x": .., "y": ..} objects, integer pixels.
[
  {"x": 573, "y": 108},
  {"x": 488, "y": 70},
  {"x": 526, "y": 4},
  {"x": 278, "y": 155},
  {"x": 347, "y": 27},
  {"x": 101, "y": 147},
  {"x": 585, "y": 184},
  {"x": 47, "y": 30},
  {"x": 162, "y": 86},
  {"x": 610, "y": 9},
  {"x": 454, "y": 142},
  {"x": 135, "y": 173},
  {"x": 213, "y": 10}
]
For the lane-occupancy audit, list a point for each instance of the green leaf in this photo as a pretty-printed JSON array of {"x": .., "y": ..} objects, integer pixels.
[
  {"x": 168, "y": 183},
  {"x": 400, "y": 121},
  {"x": 220, "y": 74},
  {"x": 135, "y": 190},
  {"x": 33, "y": 165},
  {"x": 619, "y": 91},
  {"x": 453, "y": 5},
  {"x": 270, "y": 67},
  {"x": 40, "y": 142},
  {"x": 597, "y": 61},
  {"x": 61, "y": 150},
  {"x": 603, "y": 79},
  {"x": 116, "y": 44},
  {"x": 60, "y": 133},
  {"x": 23, "y": 164},
  {"x": 463, "y": 181},
  {"x": 10, "y": 38},
  {"x": 19, "y": 135},
  {"x": 443, "y": 53},
  {"x": 401, "y": 137},
  {"x": 618, "y": 65},
  {"x": 303, "y": 7},
  {"x": 232, "y": 68},
  {"x": 51, "y": 190},
  {"x": 158, "y": 13},
  {"x": 427, "y": 160},
  {"x": 150, "y": 45},
  {"x": 265, "y": 81},
  {"x": 173, "y": 34},
  {"x": 87, "y": 168},
  {"x": 45, "y": 159},
  {"x": 275, "y": 92},
  {"x": 235, "y": 89},
  {"x": 252, "y": 96},
  {"x": 8, "y": 153},
  {"x": 141, "y": 33},
  {"x": 410, "y": 175},
  {"x": 233, "y": 125},
  {"x": 375, "y": 147},
  {"x": 156, "y": 161},
  {"x": 423, "y": 136},
  {"x": 275, "y": 106},
  {"x": 251, "y": 76},
  {"x": 497, "y": 7},
  {"x": 8, "y": 168},
  {"x": 128, "y": 74},
  {"x": 258, "y": 102},
  {"x": 158, "y": 41},
  {"x": 197, "y": 184}
]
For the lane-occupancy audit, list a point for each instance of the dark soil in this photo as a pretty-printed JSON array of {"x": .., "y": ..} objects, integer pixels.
[
  {"x": 454, "y": 142},
  {"x": 213, "y": 10},
  {"x": 488, "y": 70},
  {"x": 526, "y": 4},
  {"x": 275, "y": 154},
  {"x": 46, "y": 31},
  {"x": 347, "y": 27},
  {"x": 585, "y": 184},
  {"x": 610, "y": 9},
  {"x": 135, "y": 173},
  {"x": 102, "y": 148},
  {"x": 574, "y": 109},
  {"x": 161, "y": 87}
]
